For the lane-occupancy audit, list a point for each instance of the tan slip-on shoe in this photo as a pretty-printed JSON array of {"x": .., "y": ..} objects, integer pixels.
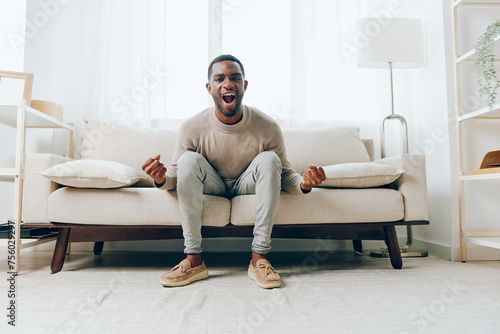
[
  {"x": 264, "y": 274},
  {"x": 183, "y": 274}
]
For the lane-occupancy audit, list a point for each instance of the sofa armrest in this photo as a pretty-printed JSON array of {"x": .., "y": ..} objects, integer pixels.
[
  {"x": 412, "y": 184},
  {"x": 36, "y": 188}
]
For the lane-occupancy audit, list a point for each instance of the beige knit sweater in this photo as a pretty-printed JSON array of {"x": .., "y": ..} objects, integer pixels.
[{"x": 231, "y": 148}]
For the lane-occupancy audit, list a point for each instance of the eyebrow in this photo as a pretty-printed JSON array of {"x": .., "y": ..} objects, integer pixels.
[{"x": 236, "y": 74}]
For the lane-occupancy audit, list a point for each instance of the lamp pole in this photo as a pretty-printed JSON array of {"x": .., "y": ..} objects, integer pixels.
[
  {"x": 405, "y": 250},
  {"x": 401, "y": 119}
]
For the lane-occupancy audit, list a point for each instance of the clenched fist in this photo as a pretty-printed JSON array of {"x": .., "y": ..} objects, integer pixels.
[
  {"x": 154, "y": 168},
  {"x": 313, "y": 177}
]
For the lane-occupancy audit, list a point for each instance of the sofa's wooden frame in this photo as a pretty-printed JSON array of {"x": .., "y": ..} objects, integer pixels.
[{"x": 344, "y": 231}]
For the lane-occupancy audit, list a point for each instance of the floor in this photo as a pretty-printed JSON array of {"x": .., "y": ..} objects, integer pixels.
[{"x": 322, "y": 292}]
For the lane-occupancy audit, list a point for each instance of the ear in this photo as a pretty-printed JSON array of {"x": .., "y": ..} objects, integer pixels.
[
  {"x": 209, "y": 88},
  {"x": 245, "y": 84}
]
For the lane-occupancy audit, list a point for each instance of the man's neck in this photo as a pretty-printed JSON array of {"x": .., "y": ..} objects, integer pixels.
[{"x": 229, "y": 120}]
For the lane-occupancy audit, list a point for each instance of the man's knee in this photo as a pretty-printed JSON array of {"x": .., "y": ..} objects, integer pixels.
[
  {"x": 189, "y": 159},
  {"x": 268, "y": 159}
]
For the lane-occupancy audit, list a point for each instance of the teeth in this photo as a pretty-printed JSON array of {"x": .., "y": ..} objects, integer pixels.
[{"x": 228, "y": 94}]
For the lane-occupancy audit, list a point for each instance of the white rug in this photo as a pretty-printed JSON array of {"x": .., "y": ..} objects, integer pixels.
[{"x": 328, "y": 299}]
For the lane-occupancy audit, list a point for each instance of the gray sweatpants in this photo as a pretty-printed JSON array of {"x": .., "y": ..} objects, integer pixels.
[{"x": 195, "y": 177}]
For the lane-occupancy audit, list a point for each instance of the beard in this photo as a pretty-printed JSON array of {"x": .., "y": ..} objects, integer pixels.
[{"x": 231, "y": 112}]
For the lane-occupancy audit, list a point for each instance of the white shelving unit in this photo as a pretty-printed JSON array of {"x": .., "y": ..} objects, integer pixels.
[
  {"x": 23, "y": 117},
  {"x": 487, "y": 239}
]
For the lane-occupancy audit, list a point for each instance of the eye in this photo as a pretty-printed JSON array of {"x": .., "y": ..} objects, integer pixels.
[{"x": 219, "y": 79}]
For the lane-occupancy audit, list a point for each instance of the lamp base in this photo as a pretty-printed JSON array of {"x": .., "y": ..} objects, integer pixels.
[{"x": 405, "y": 252}]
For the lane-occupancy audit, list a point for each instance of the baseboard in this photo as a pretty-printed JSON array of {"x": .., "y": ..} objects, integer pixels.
[
  {"x": 434, "y": 249},
  {"x": 474, "y": 252}
]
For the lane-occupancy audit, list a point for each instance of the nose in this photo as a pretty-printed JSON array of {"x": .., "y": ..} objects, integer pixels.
[{"x": 227, "y": 83}]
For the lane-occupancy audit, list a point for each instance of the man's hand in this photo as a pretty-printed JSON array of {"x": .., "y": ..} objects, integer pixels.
[
  {"x": 154, "y": 168},
  {"x": 313, "y": 177}
]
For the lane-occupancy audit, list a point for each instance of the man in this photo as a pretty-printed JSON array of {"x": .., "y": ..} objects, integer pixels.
[{"x": 229, "y": 150}]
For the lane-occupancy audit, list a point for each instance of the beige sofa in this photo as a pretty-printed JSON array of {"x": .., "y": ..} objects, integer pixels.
[{"x": 142, "y": 212}]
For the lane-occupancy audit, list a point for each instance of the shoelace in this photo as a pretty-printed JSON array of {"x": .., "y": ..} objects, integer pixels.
[
  {"x": 269, "y": 269},
  {"x": 183, "y": 271}
]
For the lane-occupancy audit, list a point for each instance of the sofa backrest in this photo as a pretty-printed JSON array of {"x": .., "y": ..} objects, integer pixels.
[
  {"x": 132, "y": 145},
  {"x": 323, "y": 147},
  {"x": 128, "y": 145}
]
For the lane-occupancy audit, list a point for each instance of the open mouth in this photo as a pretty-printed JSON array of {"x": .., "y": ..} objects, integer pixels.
[{"x": 229, "y": 97}]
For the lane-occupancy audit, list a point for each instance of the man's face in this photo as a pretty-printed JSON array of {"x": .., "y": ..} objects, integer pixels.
[{"x": 227, "y": 86}]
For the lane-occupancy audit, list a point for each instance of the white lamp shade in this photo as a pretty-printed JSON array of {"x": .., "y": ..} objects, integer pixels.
[{"x": 400, "y": 41}]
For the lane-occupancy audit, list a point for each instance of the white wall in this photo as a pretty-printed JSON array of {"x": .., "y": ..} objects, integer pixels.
[{"x": 424, "y": 102}]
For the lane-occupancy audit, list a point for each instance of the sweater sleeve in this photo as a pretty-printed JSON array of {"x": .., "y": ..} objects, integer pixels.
[
  {"x": 290, "y": 179},
  {"x": 184, "y": 143}
]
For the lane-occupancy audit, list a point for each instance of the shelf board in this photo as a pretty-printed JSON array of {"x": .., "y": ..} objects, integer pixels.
[
  {"x": 457, "y": 3},
  {"x": 26, "y": 243},
  {"x": 34, "y": 118},
  {"x": 484, "y": 112},
  {"x": 475, "y": 177},
  {"x": 469, "y": 54},
  {"x": 493, "y": 242},
  {"x": 7, "y": 174},
  {"x": 465, "y": 56}
]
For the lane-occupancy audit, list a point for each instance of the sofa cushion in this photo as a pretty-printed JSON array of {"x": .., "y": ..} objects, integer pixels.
[
  {"x": 128, "y": 145},
  {"x": 92, "y": 174},
  {"x": 323, "y": 206},
  {"x": 359, "y": 175},
  {"x": 129, "y": 206},
  {"x": 324, "y": 147}
]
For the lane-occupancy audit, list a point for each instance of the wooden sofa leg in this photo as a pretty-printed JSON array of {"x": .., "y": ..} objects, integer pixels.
[
  {"x": 60, "y": 250},
  {"x": 391, "y": 240},
  {"x": 98, "y": 246},
  {"x": 358, "y": 246}
]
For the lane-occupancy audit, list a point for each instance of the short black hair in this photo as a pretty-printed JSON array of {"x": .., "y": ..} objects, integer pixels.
[{"x": 224, "y": 58}]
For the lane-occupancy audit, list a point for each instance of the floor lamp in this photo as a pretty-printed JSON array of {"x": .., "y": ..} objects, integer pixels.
[{"x": 397, "y": 43}]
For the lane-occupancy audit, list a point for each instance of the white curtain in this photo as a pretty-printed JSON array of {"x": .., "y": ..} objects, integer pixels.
[
  {"x": 144, "y": 62},
  {"x": 128, "y": 58}
]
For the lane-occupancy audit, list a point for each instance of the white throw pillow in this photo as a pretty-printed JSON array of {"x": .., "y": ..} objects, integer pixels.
[
  {"x": 359, "y": 175},
  {"x": 92, "y": 174}
]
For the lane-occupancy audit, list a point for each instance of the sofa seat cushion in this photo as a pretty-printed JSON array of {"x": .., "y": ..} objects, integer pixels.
[
  {"x": 323, "y": 206},
  {"x": 129, "y": 206}
]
